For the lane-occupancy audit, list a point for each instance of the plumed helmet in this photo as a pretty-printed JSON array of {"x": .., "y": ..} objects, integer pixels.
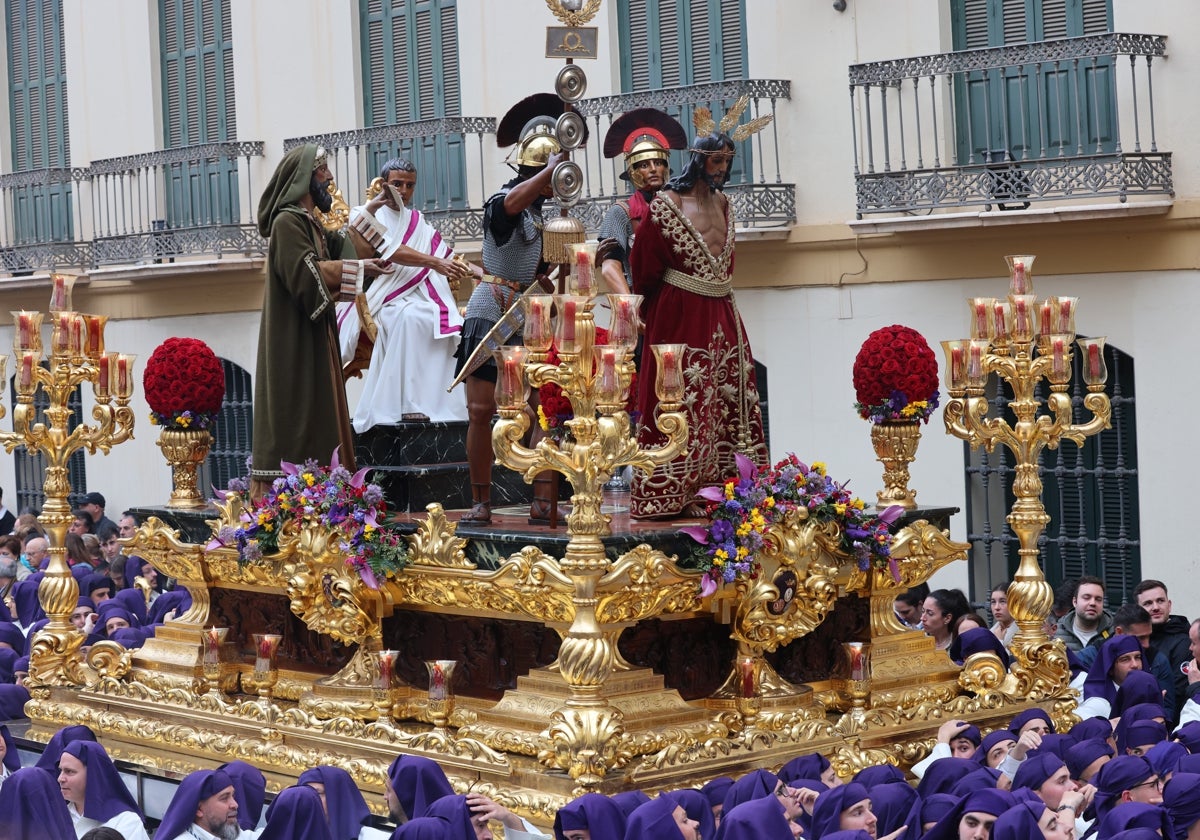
[
  {"x": 538, "y": 143},
  {"x": 529, "y": 125},
  {"x": 643, "y": 134}
]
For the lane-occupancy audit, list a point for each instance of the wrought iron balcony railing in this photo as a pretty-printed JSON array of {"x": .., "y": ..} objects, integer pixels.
[
  {"x": 1058, "y": 120},
  {"x": 454, "y": 179},
  {"x": 153, "y": 207}
]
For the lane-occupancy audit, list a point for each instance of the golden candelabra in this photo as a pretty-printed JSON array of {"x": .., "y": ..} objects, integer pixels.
[
  {"x": 596, "y": 380},
  {"x": 76, "y": 355},
  {"x": 1004, "y": 335}
]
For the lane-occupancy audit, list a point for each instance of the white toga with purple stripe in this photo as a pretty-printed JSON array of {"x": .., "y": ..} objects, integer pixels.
[{"x": 418, "y": 321}]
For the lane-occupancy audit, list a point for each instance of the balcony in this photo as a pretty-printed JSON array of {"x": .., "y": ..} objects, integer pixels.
[
  {"x": 1052, "y": 123},
  {"x": 455, "y": 176},
  {"x": 189, "y": 202}
]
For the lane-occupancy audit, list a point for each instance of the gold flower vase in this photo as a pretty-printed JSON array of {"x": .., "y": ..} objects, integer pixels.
[
  {"x": 185, "y": 450},
  {"x": 896, "y": 447}
]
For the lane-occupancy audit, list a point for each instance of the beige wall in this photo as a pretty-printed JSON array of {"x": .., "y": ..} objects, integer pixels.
[{"x": 808, "y": 300}]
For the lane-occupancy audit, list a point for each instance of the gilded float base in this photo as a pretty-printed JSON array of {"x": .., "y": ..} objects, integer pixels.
[
  {"x": 907, "y": 668},
  {"x": 516, "y": 722}
]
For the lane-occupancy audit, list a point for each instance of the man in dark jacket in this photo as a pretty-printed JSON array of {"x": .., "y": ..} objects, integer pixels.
[{"x": 1169, "y": 633}]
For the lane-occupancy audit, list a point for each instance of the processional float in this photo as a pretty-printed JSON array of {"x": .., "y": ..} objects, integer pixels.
[{"x": 195, "y": 695}]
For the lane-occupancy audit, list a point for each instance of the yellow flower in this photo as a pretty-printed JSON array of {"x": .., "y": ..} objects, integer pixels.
[
  {"x": 185, "y": 421},
  {"x": 543, "y": 422},
  {"x": 268, "y": 526},
  {"x": 742, "y": 551},
  {"x": 840, "y": 509},
  {"x": 720, "y": 554},
  {"x": 769, "y": 501},
  {"x": 368, "y": 530},
  {"x": 729, "y": 485},
  {"x": 153, "y": 419},
  {"x": 309, "y": 479},
  {"x": 858, "y": 504},
  {"x": 819, "y": 467},
  {"x": 744, "y": 529}
]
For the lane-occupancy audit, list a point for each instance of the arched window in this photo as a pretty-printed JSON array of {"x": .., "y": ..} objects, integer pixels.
[
  {"x": 30, "y": 468},
  {"x": 1090, "y": 493},
  {"x": 231, "y": 434}
]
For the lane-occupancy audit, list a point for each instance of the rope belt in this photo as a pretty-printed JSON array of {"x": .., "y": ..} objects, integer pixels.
[{"x": 693, "y": 284}]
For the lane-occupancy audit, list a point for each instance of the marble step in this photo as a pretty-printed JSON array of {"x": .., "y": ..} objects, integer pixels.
[
  {"x": 408, "y": 488},
  {"x": 412, "y": 443}
]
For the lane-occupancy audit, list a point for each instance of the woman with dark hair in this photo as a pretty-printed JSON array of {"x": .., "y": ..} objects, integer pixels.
[
  {"x": 942, "y": 609},
  {"x": 77, "y": 552}
]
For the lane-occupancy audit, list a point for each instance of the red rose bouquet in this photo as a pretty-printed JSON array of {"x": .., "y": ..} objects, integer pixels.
[
  {"x": 184, "y": 384},
  {"x": 895, "y": 376}
]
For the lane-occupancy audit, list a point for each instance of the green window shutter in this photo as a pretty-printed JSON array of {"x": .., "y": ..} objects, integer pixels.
[
  {"x": 196, "y": 40},
  {"x": 669, "y": 43},
  {"x": 416, "y": 79},
  {"x": 37, "y": 88}
]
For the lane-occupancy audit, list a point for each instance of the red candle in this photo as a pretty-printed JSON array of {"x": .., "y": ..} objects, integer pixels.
[
  {"x": 569, "y": 321},
  {"x": 95, "y": 334},
  {"x": 1019, "y": 278},
  {"x": 102, "y": 364},
  {"x": 746, "y": 673},
  {"x": 1047, "y": 317},
  {"x": 622, "y": 328},
  {"x": 857, "y": 671},
  {"x": 1064, "y": 315},
  {"x": 670, "y": 372},
  {"x": 535, "y": 333},
  {"x": 1094, "y": 361},
  {"x": 509, "y": 386},
  {"x": 583, "y": 272},
  {"x": 62, "y": 333},
  {"x": 59, "y": 294},
  {"x": 1058, "y": 359},
  {"x": 24, "y": 331},
  {"x": 608, "y": 372},
  {"x": 956, "y": 367},
  {"x": 1000, "y": 321},
  {"x": 123, "y": 388},
  {"x": 975, "y": 365},
  {"x": 28, "y": 360},
  {"x": 437, "y": 682},
  {"x": 981, "y": 322},
  {"x": 75, "y": 342}
]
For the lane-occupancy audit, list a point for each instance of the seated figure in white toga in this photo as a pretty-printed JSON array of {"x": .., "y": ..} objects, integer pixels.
[{"x": 415, "y": 314}]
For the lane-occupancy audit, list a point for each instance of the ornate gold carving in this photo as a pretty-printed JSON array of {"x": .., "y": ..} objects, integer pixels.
[
  {"x": 895, "y": 444},
  {"x": 576, "y": 18},
  {"x": 185, "y": 450},
  {"x": 645, "y": 582},
  {"x": 434, "y": 542},
  {"x": 326, "y": 593},
  {"x": 586, "y": 742}
]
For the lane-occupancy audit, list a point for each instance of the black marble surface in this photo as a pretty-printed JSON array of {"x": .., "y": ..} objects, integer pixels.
[
  {"x": 406, "y": 444},
  {"x": 192, "y": 525}
]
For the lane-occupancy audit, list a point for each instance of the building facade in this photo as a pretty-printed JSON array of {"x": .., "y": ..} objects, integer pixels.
[{"x": 915, "y": 143}]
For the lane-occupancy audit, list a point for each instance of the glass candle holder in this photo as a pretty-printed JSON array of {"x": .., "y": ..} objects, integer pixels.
[
  {"x": 607, "y": 381},
  {"x": 61, "y": 286},
  {"x": 27, "y": 332},
  {"x": 982, "y": 325},
  {"x": 3, "y": 368},
  {"x": 955, "y": 369},
  {"x": 668, "y": 374},
  {"x": 512, "y": 388},
  {"x": 568, "y": 329},
  {"x": 385, "y": 675},
  {"x": 1020, "y": 274},
  {"x": 60, "y": 335},
  {"x": 623, "y": 329},
  {"x": 1046, "y": 316},
  {"x": 124, "y": 375},
  {"x": 93, "y": 335},
  {"x": 441, "y": 689},
  {"x": 1024, "y": 328},
  {"x": 539, "y": 323},
  {"x": 105, "y": 365},
  {"x": 211, "y": 639},
  {"x": 26, "y": 379},
  {"x": 976, "y": 372},
  {"x": 1095, "y": 371},
  {"x": 583, "y": 269},
  {"x": 266, "y": 645},
  {"x": 1058, "y": 348},
  {"x": 856, "y": 667},
  {"x": 1001, "y": 323},
  {"x": 748, "y": 672},
  {"x": 1064, "y": 322}
]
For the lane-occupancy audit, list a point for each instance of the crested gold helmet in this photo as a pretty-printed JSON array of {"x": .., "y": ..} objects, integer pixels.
[
  {"x": 529, "y": 125},
  {"x": 538, "y": 143},
  {"x": 643, "y": 134}
]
